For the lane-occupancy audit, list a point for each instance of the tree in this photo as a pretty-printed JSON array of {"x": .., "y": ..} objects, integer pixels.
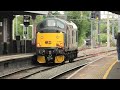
[
  {"x": 38, "y": 19},
  {"x": 19, "y": 28},
  {"x": 82, "y": 22}
]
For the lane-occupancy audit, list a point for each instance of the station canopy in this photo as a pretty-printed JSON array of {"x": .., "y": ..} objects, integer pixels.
[
  {"x": 116, "y": 12},
  {"x": 24, "y": 12}
]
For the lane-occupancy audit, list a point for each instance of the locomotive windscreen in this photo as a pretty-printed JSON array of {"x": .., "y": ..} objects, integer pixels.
[{"x": 50, "y": 23}]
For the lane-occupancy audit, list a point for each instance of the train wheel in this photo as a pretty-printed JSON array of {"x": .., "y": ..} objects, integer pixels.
[
  {"x": 70, "y": 60},
  {"x": 63, "y": 62},
  {"x": 34, "y": 60}
]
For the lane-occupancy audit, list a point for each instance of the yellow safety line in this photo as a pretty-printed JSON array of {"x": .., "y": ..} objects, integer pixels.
[{"x": 107, "y": 72}]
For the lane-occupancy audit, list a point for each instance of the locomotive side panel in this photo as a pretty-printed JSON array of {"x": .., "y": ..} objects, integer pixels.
[{"x": 72, "y": 39}]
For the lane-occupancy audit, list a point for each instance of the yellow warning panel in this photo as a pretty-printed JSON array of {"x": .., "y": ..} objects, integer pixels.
[
  {"x": 41, "y": 59},
  {"x": 50, "y": 40},
  {"x": 59, "y": 59}
]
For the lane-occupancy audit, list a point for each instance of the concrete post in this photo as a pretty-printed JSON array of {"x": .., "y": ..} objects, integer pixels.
[
  {"x": 91, "y": 33},
  {"x": 34, "y": 29},
  {"x": 5, "y": 23},
  {"x": 108, "y": 32}
]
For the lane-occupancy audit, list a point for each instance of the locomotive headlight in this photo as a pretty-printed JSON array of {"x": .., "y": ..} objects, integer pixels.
[
  {"x": 41, "y": 37},
  {"x": 38, "y": 45},
  {"x": 61, "y": 45},
  {"x": 57, "y": 37},
  {"x": 57, "y": 45}
]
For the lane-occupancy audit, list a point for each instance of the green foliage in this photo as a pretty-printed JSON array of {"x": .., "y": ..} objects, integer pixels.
[
  {"x": 103, "y": 28},
  {"x": 82, "y": 24},
  {"x": 115, "y": 27},
  {"x": 39, "y": 18},
  {"x": 103, "y": 37},
  {"x": 20, "y": 29},
  {"x": 56, "y": 13},
  {"x": 103, "y": 31}
]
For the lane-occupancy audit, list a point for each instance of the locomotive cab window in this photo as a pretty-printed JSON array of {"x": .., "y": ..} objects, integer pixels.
[
  {"x": 60, "y": 25},
  {"x": 50, "y": 22},
  {"x": 43, "y": 24}
]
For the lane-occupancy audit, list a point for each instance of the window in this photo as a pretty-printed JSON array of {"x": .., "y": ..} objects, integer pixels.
[
  {"x": 65, "y": 39},
  {"x": 76, "y": 36},
  {"x": 72, "y": 36},
  {"x": 60, "y": 25},
  {"x": 51, "y": 23},
  {"x": 43, "y": 24}
]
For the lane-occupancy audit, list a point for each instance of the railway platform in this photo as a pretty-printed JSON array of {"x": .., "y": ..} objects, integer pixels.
[
  {"x": 114, "y": 72},
  {"x": 14, "y": 57},
  {"x": 81, "y": 53},
  {"x": 106, "y": 68},
  {"x": 13, "y": 63}
]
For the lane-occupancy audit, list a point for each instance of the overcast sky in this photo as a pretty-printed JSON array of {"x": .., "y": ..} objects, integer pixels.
[
  {"x": 103, "y": 14},
  {"x": 61, "y": 12}
]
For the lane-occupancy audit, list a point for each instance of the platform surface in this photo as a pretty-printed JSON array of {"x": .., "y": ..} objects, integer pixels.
[
  {"x": 97, "y": 70},
  {"x": 114, "y": 73},
  {"x": 13, "y": 57}
]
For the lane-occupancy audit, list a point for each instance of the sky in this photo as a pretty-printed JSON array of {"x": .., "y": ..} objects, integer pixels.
[
  {"x": 61, "y": 12},
  {"x": 103, "y": 14}
]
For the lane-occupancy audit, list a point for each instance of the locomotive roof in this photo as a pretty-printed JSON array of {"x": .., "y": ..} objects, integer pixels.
[{"x": 65, "y": 22}]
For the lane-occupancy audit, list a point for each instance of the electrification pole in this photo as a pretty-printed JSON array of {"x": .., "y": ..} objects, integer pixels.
[
  {"x": 108, "y": 31},
  {"x": 97, "y": 16},
  {"x": 113, "y": 29},
  {"x": 34, "y": 29},
  {"x": 92, "y": 18},
  {"x": 16, "y": 26},
  {"x": 25, "y": 38},
  {"x": 96, "y": 38},
  {"x": 98, "y": 32},
  {"x": 91, "y": 33},
  {"x": 13, "y": 31}
]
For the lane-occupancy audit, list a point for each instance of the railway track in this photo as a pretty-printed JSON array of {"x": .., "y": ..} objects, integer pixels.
[
  {"x": 57, "y": 71},
  {"x": 27, "y": 73},
  {"x": 66, "y": 74},
  {"x": 33, "y": 70}
]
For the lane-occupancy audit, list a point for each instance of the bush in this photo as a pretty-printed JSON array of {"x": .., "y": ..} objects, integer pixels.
[{"x": 103, "y": 37}]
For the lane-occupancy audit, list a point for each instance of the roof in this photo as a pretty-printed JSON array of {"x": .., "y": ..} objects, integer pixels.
[
  {"x": 116, "y": 12},
  {"x": 74, "y": 25},
  {"x": 24, "y": 12},
  {"x": 62, "y": 20},
  {"x": 66, "y": 22},
  {"x": 38, "y": 12}
]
